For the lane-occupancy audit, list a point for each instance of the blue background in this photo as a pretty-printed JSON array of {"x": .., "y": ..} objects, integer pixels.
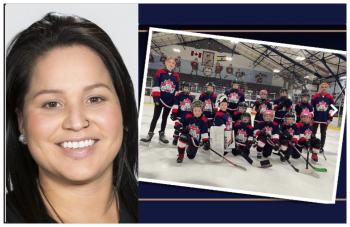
[{"x": 248, "y": 17}]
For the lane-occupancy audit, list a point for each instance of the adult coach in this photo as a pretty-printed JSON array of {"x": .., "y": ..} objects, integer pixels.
[{"x": 321, "y": 102}]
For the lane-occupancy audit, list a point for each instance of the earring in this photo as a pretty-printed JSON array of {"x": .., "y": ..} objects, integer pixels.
[{"x": 23, "y": 139}]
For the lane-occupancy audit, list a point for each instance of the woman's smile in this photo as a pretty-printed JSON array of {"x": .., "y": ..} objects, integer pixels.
[{"x": 78, "y": 148}]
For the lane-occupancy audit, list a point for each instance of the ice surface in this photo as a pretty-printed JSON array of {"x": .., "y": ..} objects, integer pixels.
[{"x": 158, "y": 162}]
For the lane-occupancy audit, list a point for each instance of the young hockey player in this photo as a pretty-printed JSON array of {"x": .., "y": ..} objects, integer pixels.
[
  {"x": 222, "y": 117},
  {"x": 322, "y": 102},
  {"x": 260, "y": 105},
  {"x": 181, "y": 107},
  {"x": 243, "y": 132},
  {"x": 194, "y": 130},
  {"x": 165, "y": 85},
  {"x": 234, "y": 97},
  {"x": 303, "y": 104},
  {"x": 282, "y": 105},
  {"x": 289, "y": 135},
  {"x": 242, "y": 108},
  {"x": 209, "y": 98},
  {"x": 266, "y": 134},
  {"x": 307, "y": 138}
]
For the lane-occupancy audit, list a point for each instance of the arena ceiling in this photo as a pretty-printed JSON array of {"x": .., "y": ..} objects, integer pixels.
[{"x": 296, "y": 65}]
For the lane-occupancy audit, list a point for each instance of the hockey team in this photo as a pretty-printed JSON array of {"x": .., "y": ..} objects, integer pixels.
[{"x": 277, "y": 127}]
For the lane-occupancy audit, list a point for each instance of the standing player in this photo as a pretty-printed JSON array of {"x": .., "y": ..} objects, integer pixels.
[
  {"x": 261, "y": 105},
  {"x": 243, "y": 132},
  {"x": 234, "y": 96},
  {"x": 289, "y": 136},
  {"x": 307, "y": 137},
  {"x": 182, "y": 107},
  {"x": 304, "y": 104},
  {"x": 322, "y": 103},
  {"x": 194, "y": 131},
  {"x": 242, "y": 108},
  {"x": 165, "y": 84},
  {"x": 222, "y": 117},
  {"x": 209, "y": 98},
  {"x": 267, "y": 135},
  {"x": 282, "y": 105}
]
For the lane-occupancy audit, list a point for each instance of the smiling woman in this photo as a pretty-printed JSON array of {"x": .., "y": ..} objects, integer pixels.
[{"x": 71, "y": 126}]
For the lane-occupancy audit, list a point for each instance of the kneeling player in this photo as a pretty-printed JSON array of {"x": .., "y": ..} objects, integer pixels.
[
  {"x": 243, "y": 136},
  {"x": 307, "y": 138},
  {"x": 194, "y": 129},
  {"x": 289, "y": 137},
  {"x": 267, "y": 135}
]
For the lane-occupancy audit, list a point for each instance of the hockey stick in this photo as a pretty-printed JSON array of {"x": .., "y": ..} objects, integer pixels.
[
  {"x": 232, "y": 163},
  {"x": 284, "y": 157},
  {"x": 318, "y": 169}
]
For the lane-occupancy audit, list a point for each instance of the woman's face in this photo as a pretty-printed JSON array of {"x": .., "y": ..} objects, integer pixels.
[{"x": 72, "y": 116}]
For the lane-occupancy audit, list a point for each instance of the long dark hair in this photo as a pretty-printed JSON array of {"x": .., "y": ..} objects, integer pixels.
[{"x": 56, "y": 30}]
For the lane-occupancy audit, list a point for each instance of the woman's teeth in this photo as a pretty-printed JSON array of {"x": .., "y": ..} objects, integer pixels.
[{"x": 77, "y": 144}]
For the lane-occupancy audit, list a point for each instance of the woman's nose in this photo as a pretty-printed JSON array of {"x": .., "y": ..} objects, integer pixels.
[{"x": 75, "y": 119}]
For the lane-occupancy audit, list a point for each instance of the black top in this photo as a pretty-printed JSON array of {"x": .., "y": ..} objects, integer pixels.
[{"x": 13, "y": 215}]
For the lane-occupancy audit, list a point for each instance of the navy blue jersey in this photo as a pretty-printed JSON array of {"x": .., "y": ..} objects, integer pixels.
[
  {"x": 271, "y": 128},
  {"x": 322, "y": 106},
  {"x": 305, "y": 131},
  {"x": 197, "y": 127},
  {"x": 165, "y": 85},
  {"x": 182, "y": 105},
  {"x": 282, "y": 106},
  {"x": 209, "y": 104},
  {"x": 292, "y": 130},
  {"x": 236, "y": 116},
  {"x": 234, "y": 97},
  {"x": 243, "y": 132},
  {"x": 260, "y": 106},
  {"x": 301, "y": 106},
  {"x": 223, "y": 118}
]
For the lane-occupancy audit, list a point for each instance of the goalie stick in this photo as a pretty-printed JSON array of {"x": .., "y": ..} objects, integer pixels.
[{"x": 232, "y": 163}]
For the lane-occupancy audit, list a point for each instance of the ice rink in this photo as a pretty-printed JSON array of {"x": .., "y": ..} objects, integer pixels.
[{"x": 158, "y": 162}]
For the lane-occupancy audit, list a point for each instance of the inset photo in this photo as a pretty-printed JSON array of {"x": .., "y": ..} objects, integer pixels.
[{"x": 243, "y": 116}]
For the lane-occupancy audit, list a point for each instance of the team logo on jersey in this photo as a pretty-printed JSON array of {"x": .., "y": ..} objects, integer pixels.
[
  {"x": 185, "y": 105},
  {"x": 241, "y": 135},
  {"x": 233, "y": 97},
  {"x": 208, "y": 106},
  {"x": 290, "y": 131},
  {"x": 268, "y": 130},
  {"x": 322, "y": 106},
  {"x": 262, "y": 107},
  {"x": 308, "y": 133},
  {"x": 167, "y": 86},
  {"x": 194, "y": 131}
]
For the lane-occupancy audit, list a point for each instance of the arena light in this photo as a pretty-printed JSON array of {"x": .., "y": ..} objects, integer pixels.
[
  {"x": 300, "y": 58},
  {"x": 276, "y": 70},
  {"x": 228, "y": 59},
  {"x": 176, "y": 50}
]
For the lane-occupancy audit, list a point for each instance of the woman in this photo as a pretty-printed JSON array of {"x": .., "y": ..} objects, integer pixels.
[{"x": 71, "y": 126}]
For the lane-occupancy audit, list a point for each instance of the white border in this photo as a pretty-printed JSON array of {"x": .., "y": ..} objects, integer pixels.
[{"x": 335, "y": 183}]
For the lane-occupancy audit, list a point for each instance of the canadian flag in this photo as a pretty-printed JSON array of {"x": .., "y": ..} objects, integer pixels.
[{"x": 195, "y": 53}]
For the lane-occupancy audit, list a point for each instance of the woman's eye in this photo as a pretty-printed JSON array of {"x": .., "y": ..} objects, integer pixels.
[
  {"x": 51, "y": 105},
  {"x": 95, "y": 99}
]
